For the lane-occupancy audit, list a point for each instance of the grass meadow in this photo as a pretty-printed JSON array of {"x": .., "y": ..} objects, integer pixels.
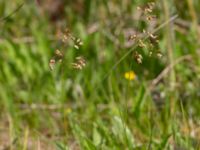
[{"x": 100, "y": 75}]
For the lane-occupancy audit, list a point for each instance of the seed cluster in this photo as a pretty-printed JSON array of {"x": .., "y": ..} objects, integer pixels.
[
  {"x": 67, "y": 35},
  {"x": 152, "y": 42},
  {"x": 59, "y": 55},
  {"x": 80, "y": 63},
  {"x": 138, "y": 57}
]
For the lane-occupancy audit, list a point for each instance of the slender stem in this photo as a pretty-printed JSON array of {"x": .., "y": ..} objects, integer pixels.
[
  {"x": 12, "y": 13},
  {"x": 194, "y": 17},
  {"x": 169, "y": 44},
  {"x": 192, "y": 12},
  {"x": 25, "y": 139}
]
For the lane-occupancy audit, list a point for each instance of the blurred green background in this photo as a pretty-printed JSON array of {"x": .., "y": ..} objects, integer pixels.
[{"x": 97, "y": 107}]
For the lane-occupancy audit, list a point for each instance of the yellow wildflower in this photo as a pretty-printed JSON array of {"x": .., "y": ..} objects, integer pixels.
[
  {"x": 67, "y": 111},
  {"x": 130, "y": 75}
]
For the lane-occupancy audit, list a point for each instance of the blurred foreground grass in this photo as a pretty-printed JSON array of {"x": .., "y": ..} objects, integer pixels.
[{"x": 69, "y": 109}]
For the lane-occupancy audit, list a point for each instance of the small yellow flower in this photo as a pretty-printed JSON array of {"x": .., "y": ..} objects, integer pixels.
[
  {"x": 130, "y": 75},
  {"x": 67, "y": 111}
]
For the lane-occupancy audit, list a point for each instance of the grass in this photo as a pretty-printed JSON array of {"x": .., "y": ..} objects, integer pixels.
[{"x": 96, "y": 107}]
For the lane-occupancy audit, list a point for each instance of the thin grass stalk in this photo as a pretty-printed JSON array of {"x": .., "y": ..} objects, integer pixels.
[
  {"x": 38, "y": 144},
  {"x": 185, "y": 121},
  {"x": 170, "y": 43},
  {"x": 25, "y": 143},
  {"x": 193, "y": 15},
  {"x": 170, "y": 46},
  {"x": 10, "y": 132},
  {"x": 12, "y": 13}
]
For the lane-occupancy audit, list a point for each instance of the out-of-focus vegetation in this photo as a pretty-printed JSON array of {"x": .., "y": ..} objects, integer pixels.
[{"x": 114, "y": 102}]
